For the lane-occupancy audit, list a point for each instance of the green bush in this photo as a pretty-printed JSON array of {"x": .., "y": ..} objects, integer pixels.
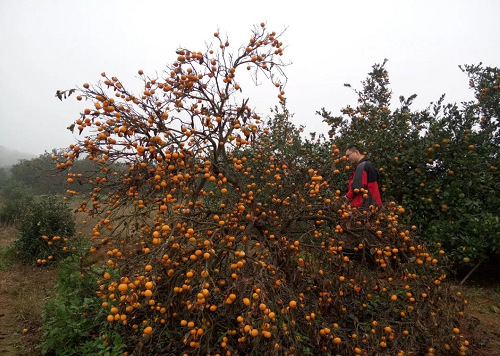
[
  {"x": 470, "y": 239},
  {"x": 45, "y": 230},
  {"x": 40, "y": 173},
  {"x": 11, "y": 212},
  {"x": 43, "y": 176},
  {"x": 15, "y": 198},
  {"x": 7, "y": 256},
  {"x": 74, "y": 323},
  {"x": 440, "y": 163}
]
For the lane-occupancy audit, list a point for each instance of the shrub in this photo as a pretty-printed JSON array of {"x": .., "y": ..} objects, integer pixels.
[
  {"x": 40, "y": 174},
  {"x": 471, "y": 238},
  {"x": 233, "y": 239},
  {"x": 7, "y": 257},
  {"x": 73, "y": 323},
  {"x": 15, "y": 198},
  {"x": 441, "y": 162},
  {"x": 46, "y": 230}
]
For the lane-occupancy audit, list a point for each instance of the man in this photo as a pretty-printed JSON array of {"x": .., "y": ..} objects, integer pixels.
[{"x": 363, "y": 183}]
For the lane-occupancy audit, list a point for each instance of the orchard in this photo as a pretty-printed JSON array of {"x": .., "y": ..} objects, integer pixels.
[{"x": 227, "y": 233}]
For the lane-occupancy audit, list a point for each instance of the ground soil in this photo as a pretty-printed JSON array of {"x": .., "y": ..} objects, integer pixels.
[
  {"x": 23, "y": 292},
  {"x": 484, "y": 305}
]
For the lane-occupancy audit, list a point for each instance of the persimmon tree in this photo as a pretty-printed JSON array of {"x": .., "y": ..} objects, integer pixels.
[{"x": 224, "y": 234}]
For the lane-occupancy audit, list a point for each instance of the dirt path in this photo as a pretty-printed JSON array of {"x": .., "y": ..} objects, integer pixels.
[
  {"x": 23, "y": 292},
  {"x": 484, "y": 304}
]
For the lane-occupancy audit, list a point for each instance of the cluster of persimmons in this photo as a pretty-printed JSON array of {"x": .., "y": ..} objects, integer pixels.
[{"x": 221, "y": 242}]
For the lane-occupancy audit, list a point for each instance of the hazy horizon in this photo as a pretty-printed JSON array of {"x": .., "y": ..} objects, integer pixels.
[
  {"x": 55, "y": 45},
  {"x": 9, "y": 157}
]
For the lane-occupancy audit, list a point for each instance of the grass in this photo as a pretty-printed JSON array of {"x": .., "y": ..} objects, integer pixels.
[
  {"x": 22, "y": 298},
  {"x": 485, "y": 306},
  {"x": 7, "y": 257}
]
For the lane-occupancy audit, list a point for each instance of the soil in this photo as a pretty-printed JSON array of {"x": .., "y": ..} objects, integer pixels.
[
  {"x": 484, "y": 305},
  {"x": 23, "y": 292}
]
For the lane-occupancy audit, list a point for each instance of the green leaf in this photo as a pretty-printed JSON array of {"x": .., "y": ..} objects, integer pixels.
[{"x": 61, "y": 311}]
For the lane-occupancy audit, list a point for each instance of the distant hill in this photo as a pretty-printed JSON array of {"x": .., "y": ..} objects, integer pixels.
[{"x": 9, "y": 157}]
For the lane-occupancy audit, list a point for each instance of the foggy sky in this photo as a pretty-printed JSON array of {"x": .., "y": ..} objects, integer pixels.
[{"x": 50, "y": 45}]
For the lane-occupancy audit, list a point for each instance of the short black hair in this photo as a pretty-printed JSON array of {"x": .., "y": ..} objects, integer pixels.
[{"x": 353, "y": 148}]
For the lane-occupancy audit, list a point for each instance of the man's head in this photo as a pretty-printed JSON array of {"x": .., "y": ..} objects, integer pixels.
[{"x": 353, "y": 154}]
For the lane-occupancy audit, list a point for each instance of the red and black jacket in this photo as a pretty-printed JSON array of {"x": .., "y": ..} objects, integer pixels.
[{"x": 364, "y": 176}]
